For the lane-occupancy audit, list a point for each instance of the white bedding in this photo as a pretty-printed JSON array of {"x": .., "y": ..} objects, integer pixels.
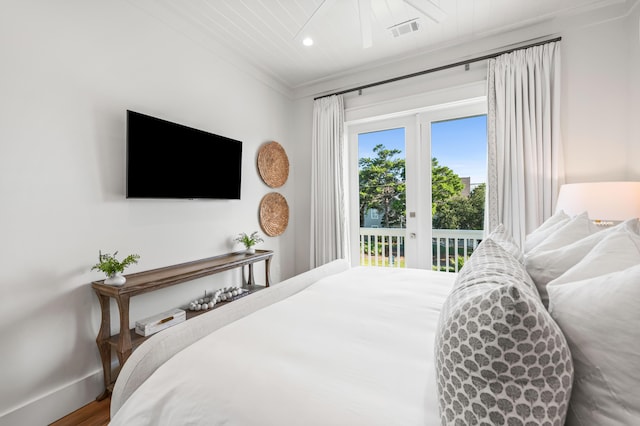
[{"x": 355, "y": 348}]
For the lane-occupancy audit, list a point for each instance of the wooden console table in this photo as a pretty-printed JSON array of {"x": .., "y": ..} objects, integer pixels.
[{"x": 144, "y": 282}]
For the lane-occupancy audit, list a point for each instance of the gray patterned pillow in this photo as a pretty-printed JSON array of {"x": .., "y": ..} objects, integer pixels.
[
  {"x": 500, "y": 357},
  {"x": 489, "y": 259},
  {"x": 504, "y": 238}
]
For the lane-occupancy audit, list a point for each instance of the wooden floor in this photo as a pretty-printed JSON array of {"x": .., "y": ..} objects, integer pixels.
[{"x": 95, "y": 413}]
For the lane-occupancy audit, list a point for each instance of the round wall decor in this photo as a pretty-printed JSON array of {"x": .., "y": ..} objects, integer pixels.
[
  {"x": 274, "y": 214},
  {"x": 273, "y": 164}
]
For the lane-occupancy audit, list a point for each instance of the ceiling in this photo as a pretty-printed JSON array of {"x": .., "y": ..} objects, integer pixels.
[{"x": 267, "y": 33}]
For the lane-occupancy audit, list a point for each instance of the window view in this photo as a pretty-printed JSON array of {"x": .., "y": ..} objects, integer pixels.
[
  {"x": 382, "y": 202},
  {"x": 458, "y": 173},
  {"x": 456, "y": 164}
]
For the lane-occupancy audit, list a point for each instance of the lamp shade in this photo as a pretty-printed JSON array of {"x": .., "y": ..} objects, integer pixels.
[{"x": 607, "y": 201}]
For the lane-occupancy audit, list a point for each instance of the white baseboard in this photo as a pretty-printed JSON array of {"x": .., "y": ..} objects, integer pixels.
[{"x": 56, "y": 404}]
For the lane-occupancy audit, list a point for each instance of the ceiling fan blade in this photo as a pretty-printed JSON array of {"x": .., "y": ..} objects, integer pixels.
[
  {"x": 320, "y": 10},
  {"x": 428, "y": 8},
  {"x": 364, "y": 10}
]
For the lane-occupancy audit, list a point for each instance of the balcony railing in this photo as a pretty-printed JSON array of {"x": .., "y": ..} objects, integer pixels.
[{"x": 385, "y": 247}]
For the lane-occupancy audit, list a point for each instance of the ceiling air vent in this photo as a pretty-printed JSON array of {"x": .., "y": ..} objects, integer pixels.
[{"x": 405, "y": 27}]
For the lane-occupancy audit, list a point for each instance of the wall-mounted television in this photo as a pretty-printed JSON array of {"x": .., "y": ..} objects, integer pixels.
[{"x": 169, "y": 160}]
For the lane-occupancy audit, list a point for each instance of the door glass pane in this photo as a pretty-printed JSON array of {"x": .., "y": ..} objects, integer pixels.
[
  {"x": 458, "y": 173},
  {"x": 382, "y": 199}
]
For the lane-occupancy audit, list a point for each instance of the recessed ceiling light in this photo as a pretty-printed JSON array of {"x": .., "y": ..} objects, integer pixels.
[{"x": 307, "y": 41}]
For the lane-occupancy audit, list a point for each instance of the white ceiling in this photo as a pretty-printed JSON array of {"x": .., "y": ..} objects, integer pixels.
[{"x": 263, "y": 32}]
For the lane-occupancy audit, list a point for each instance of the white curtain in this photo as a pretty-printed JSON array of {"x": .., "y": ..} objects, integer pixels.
[
  {"x": 329, "y": 234},
  {"x": 525, "y": 155}
]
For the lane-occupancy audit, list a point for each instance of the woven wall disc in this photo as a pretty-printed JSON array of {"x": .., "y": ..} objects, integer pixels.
[
  {"x": 273, "y": 164},
  {"x": 274, "y": 214}
]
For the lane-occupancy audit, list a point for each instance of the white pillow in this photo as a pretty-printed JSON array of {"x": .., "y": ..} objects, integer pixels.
[
  {"x": 600, "y": 319},
  {"x": 545, "y": 266},
  {"x": 559, "y": 216},
  {"x": 573, "y": 230},
  {"x": 616, "y": 251},
  {"x": 543, "y": 231}
]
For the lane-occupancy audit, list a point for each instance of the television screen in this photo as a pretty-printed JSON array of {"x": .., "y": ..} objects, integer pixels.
[{"x": 169, "y": 160}]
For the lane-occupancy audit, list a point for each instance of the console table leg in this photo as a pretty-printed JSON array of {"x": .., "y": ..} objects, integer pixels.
[
  {"x": 103, "y": 344},
  {"x": 123, "y": 349},
  {"x": 267, "y": 271},
  {"x": 103, "y": 395},
  {"x": 251, "y": 280}
]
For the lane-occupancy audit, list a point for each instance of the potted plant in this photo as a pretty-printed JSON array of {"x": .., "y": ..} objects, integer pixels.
[
  {"x": 249, "y": 241},
  {"x": 113, "y": 268}
]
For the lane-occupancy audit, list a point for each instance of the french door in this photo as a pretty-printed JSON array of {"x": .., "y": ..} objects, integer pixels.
[
  {"x": 391, "y": 194},
  {"x": 379, "y": 194}
]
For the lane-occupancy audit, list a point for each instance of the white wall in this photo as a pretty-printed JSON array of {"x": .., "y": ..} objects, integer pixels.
[
  {"x": 633, "y": 36},
  {"x": 601, "y": 88},
  {"x": 595, "y": 117},
  {"x": 303, "y": 121},
  {"x": 69, "y": 70}
]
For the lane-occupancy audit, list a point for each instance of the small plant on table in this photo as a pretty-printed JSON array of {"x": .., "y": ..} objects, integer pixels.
[
  {"x": 249, "y": 240},
  {"x": 113, "y": 268}
]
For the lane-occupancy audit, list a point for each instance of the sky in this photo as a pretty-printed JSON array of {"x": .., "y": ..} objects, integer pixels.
[{"x": 459, "y": 144}]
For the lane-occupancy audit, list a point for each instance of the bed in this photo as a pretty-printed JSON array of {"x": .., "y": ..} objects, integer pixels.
[
  {"x": 543, "y": 335},
  {"x": 334, "y": 346}
]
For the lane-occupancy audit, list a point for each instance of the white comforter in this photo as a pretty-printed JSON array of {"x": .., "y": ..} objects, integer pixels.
[{"x": 355, "y": 348}]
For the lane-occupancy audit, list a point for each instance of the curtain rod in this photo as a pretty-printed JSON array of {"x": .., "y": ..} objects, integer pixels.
[{"x": 440, "y": 68}]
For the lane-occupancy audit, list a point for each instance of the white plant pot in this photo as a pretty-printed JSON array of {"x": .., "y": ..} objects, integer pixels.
[
  {"x": 251, "y": 250},
  {"x": 116, "y": 280}
]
